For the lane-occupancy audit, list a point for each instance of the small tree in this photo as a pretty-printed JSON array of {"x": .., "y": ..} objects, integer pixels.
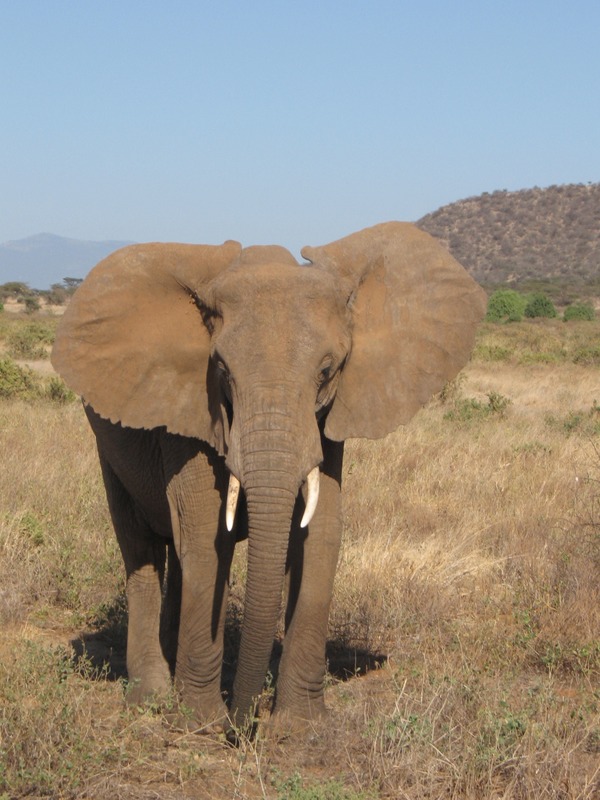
[
  {"x": 505, "y": 305},
  {"x": 540, "y": 305},
  {"x": 32, "y": 304},
  {"x": 583, "y": 311},
  {"x": 72, "y": 284},
  {"x": 14, "y": 289},
  {"x": 58, "y": 294}
]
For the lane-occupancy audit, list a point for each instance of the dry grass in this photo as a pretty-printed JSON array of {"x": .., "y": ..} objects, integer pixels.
[
  {"x": 465, "y": 630},
  {"x": 55, "y": 539}
]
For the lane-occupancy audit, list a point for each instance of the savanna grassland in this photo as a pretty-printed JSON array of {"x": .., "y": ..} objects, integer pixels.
[{"x": 464, "y": 654}]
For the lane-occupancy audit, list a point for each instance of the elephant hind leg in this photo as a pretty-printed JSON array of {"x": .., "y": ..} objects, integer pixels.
[{"x": 144, "y": 554}]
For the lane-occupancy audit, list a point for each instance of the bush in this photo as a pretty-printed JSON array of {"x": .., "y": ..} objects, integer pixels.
[
  {"x": 23, "y": 383},
  {"x": 578, "y": 311},
  {"x": 540, "y": 305},
  {"x": 31, "y": 304},
  {"x": 469, "y": 408},
  {"x": 29, "y": 341},
  {"x": 506, "y": 305},
  {"x": 16, "y": 381},
  {"x": 57, "y": 391}
]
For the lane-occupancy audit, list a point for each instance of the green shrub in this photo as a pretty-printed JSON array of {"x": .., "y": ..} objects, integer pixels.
[
  {"x": 467, "y": 409},
  {"x": 540, "y": 305},
  {"x": 578, "y": 311},
  {"x": 506, "y": 305},
  {"x": 30, "y": 341},
  {"x": 57, "y": 391},
  {"x": 23, "y": 383},
  {"x": 16, "y": 381},
  {"x": 31, "y": 304}
]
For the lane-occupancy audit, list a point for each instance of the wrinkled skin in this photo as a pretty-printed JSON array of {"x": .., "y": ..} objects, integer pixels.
[{"x": 197, "y": 363}]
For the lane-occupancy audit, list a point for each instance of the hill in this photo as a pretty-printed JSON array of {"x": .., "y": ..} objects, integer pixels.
[
  {"x": 45, "y": 259},
  {"x": 527, "y": 236}
]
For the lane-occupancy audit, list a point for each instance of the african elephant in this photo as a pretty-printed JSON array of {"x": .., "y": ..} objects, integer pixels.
[{"x": 209, "y": 372}]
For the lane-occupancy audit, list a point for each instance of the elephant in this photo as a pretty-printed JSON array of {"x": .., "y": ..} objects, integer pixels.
[{"x": 221, "y": 383}]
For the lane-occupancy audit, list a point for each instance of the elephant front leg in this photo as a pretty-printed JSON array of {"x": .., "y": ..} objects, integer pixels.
[
  {"x": 205, "y": 549},
  {"x": 205, "y": 584},
  {"x": 312, "y": 565}
]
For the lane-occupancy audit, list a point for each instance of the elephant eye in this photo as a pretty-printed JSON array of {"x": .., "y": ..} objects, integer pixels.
[
  {"x": 326, "y": 383},
  {"x": 224, "y": 374},
  {"x": 325, "y": 371}
]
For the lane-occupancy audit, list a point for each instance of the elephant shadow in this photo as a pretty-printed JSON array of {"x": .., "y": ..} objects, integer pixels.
[{"x": 100, "y": 653}]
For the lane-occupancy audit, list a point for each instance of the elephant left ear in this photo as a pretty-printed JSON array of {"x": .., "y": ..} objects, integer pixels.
[
  {"x": 134, "y": 343},
  {"x": 415, "y": 311}
]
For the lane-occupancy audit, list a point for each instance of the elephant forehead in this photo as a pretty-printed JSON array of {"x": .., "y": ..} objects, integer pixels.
[
  {"x": 278, "y": 284},
  {"x": 302, "y": 304}
]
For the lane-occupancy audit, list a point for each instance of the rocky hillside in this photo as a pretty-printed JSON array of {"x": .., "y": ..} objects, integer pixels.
[{"x": 520, "y": 237}]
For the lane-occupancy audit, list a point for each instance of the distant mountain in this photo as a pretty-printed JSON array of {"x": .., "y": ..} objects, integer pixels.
[
  {"x": 45, "y": 259},
  {"x": 529, "y": 235}
]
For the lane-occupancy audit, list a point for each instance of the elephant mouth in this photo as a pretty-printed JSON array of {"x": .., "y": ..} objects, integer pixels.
[{"x": 312, "y": 484}]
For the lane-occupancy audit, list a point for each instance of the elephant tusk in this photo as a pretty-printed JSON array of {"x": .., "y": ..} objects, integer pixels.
[
  {"x": 233, "y": 493},
  {"x": 312, "y": 481}
]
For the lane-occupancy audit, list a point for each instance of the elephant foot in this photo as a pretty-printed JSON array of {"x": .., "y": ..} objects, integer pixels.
[
  {"x": 205, "y": 721},
  {"x": 307, "y": 724},
  {"x": 148, "y": 693}
]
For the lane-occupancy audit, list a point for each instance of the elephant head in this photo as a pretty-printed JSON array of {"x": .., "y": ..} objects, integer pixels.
[{"x": 265, "y": 359}]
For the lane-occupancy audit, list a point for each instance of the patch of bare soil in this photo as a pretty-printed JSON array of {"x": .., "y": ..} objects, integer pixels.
[{"x": 41, "y": 366}]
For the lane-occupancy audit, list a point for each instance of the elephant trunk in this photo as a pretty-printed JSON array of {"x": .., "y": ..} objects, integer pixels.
[{"x": 271, "y": 477}]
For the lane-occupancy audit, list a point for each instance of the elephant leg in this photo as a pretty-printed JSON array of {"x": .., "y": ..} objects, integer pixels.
[
  {"x": 312, "y": 564},
  {"x": 143, "y": 553},
  {"x": 205, "y": 549}
]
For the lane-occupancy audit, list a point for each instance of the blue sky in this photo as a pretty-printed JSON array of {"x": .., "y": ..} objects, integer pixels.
[{"x": 293, "y": 122}]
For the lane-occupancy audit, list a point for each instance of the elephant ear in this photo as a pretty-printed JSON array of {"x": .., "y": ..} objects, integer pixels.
[
  {"x": 415, "y": 311},
  {"x": 133, "y": 342}
]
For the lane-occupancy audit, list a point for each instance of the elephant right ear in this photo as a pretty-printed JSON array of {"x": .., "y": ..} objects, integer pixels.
[
  {"x": 415, "y": 311},
  {"x": 133, "y": 342}
]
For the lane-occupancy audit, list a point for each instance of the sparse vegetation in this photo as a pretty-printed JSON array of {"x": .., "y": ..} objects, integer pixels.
[
  {"x": 539, "y": 342},
  {"x": 579, "y": 311},
  {"x": 534, "y": 240},
  {"x": 464, "y": 652}
]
